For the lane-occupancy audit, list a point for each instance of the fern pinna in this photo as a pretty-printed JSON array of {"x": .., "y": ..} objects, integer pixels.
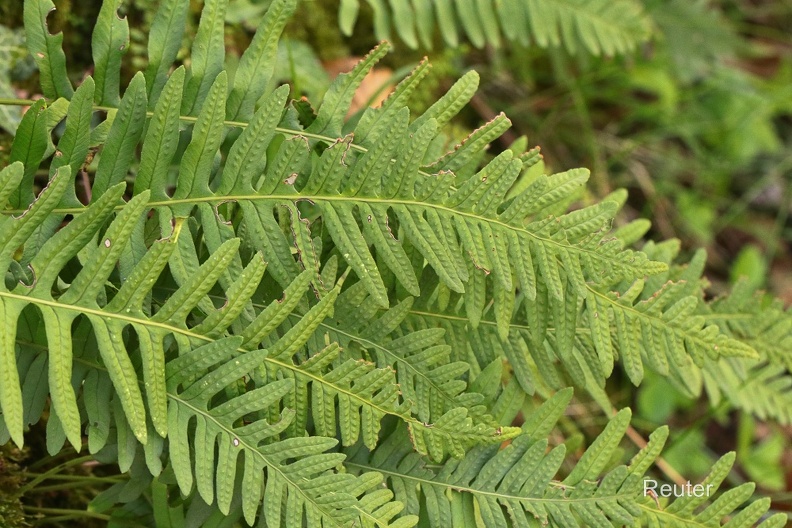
[
  {"x": 596, "y": 26},
  {"x": 265, "y": 314}
]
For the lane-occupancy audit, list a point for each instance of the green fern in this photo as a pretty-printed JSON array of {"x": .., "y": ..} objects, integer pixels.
[
  {"x": 250, "y": 286},
  {"x": 598, "y": 27}
]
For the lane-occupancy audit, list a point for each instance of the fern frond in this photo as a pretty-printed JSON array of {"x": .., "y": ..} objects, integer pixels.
[
  {"x": 297, "y": 471},
  {"x": 690, "y": 510},
  {"x": 109, "y": 44},
  {"x": 374, "y": 507},
  {"x": 598, "y": 27},
  {"x": 516, "y": 244},
  {"x": 757, "y": 320},
  {"x": 665, "y": 333},
  {"x": 165, "y": 36},
  {"x": 192, "y": 382},
  {"x": 449, "y": 417},
  {"x": 661, "y": 328},
  {"x": 441, "y": 222},
  {"x": 374, "y": 395},
  {"x": 364, "y": 393},
  {"x": 516, "y": 485},
  {"x": 555, "y": 262},
  {"x": 236, "y": 371},
  {"x": 759, "y": 384},
  {"x": 29, "y": 148},
  {"x": 762, "y": 386}
]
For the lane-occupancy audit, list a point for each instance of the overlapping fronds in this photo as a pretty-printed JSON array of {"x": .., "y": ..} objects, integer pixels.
[
  {"x": 296, "y": 471},
  {"x": 598, "y": 27},
  {"x": 449, "y": 417},
  {"x": 253, "y": 287},
  {"x": 763, "y": 386},
  {"x": 700, "y": 509},
  {"x": 517, "y": 486},
  {"x": 664, "y": 332},
  {"x": 379, "y": 198},
  {"x": 760, "y": 384},
  {"x": 184, "y": 390}
]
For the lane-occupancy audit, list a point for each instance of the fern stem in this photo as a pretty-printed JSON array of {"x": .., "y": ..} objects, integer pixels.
[
  {"x": 115, "y": 478},
  {"x": 193, "y": 119},
  {"x": 227, "y": 122},
  {"x": 66, "y": 513},
  {"x": 71, "y": 485},
  {"x": 16, "y": 102},
  {"x": 66, "y": 452},
  {"x": 368, "y": 200},
  {"x": 54, "y": 471},
  {"x": 475, "y": 491}
]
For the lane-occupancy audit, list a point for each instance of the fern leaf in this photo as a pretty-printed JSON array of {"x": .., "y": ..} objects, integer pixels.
[
  {"x": 208, "y": 54},
  {"x": 246, "y": 159},
  {"x": 258, "y": 62},
  {"x": 165, "y": 35},
  {"x": 162, "y": 138},
  {"x": 598, "y": 27},
  {"x": 123, "y": 137},
  {"x": 16, "y": 232},
  {"x": 11, "y": 177},
  {"x": 46, "y": 50},
  {"x": 73, "y": 145},
  {"x": 429, "y": 383},
  {"x": 338, "y": 98},
  {"x": 517, "y": 479},
  {"x": 759, "y": 386},
  {"x": 239, "y": 388},
  {"x": 342, "y": 223},
  {"x": 688, "y": 511},
  {"x": 298, "y": 469},
  {"x": 109, "y": 44},
  {"x": 29, "y": 146},
  {"x": 371, "y": 122},
  {"x": 196, "y": 165},
  {"x": 427, "y": 211},
  {"x": 641, "y": 333}
]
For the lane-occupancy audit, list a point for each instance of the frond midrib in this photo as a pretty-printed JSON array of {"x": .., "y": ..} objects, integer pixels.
[
  {"x": 673, "y": 519},
  {"x": 270, "y": 466},
  {"x": 390, "y": 353},
  {"x": 496, "y": 495},
  {"x": 647, "y": 315},
  {"x": 208, "y": 416},
  {"x": 193, "y": 119},
  {"x": 318, "y": 198},
  {"x": 176, "y": 330}
]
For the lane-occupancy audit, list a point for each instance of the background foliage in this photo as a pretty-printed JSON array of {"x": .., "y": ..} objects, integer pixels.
[{"x": 685, "y": 104}]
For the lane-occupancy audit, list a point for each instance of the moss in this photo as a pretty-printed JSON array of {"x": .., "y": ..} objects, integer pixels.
[{"x": 10, "y": 482}]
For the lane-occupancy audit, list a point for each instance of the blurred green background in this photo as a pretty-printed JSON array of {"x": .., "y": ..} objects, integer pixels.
[{"x": 696, "y": 123}]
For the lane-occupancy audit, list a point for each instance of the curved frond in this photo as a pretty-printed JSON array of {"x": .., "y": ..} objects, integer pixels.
[
  {"x": 691, "y": 510},
  {"x": 298, "y": 471},
  {"x": 517, "y": 485}
]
